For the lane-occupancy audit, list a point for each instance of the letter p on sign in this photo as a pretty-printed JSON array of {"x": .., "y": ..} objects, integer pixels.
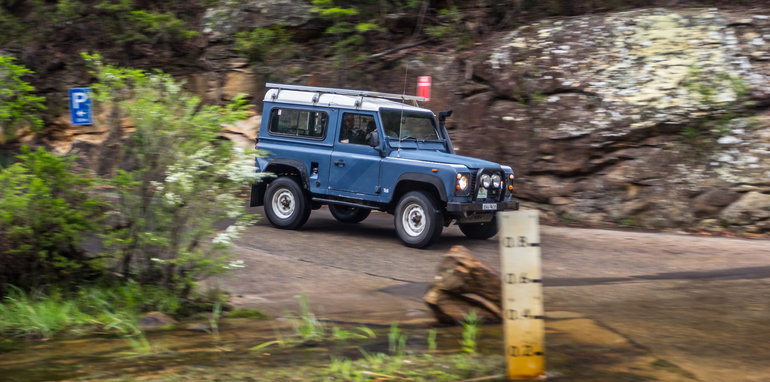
[
  {"x": 423, "y": 87},
  {"x": 80, "y": 106}
]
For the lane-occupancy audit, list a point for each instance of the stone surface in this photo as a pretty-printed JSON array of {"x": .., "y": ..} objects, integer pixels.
[
  {"x": 752, "y": 210},
  {"x": 626, "y": 117},
  {"x": 463, "y": 283},
  {"x": 222, "y": 22},
  {"x": 155, "y": 320}
]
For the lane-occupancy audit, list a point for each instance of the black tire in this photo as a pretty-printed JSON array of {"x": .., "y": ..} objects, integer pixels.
[
  {"x": 347, "y": 214},
  {"x": 480, "y": 231},
  {"x": 286, "y": 204},
  {"x": 418, "y": 221}
]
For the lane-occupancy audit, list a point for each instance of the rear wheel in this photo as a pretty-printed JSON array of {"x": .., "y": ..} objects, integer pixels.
[
  {"x": 286, "y": 205},
  {"x": 480, "y": 231},
  {"x": 347, "y": 214},
  {"x": 418, "y": 221}
]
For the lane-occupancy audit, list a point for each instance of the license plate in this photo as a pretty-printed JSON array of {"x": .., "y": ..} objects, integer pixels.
[{"x": 489, "y": 206}]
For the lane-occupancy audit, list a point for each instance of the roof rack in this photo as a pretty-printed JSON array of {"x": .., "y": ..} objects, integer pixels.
[{"x": 359, "y": 93}]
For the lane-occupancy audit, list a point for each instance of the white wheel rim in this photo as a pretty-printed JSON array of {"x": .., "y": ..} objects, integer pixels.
[
  {"x": 413, "y": 219},
  {"x": 284, "y": 203}
]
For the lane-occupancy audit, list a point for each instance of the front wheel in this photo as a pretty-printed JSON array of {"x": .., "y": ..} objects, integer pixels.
[
  {"x": 286, "y": 205},
  {"x": 347, "y": 214},
  {"x": 418, "y": 221},
  {"x": 480, "y": 231}
]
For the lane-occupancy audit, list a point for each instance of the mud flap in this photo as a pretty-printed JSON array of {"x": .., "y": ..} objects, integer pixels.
[{"x": 257, "y": 195}]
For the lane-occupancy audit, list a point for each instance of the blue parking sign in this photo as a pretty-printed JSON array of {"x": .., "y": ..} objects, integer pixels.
[{"x": 80, "y": 106}]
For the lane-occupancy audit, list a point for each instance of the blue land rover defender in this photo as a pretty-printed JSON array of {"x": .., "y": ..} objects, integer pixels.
[{"x": 358, "y": 151}]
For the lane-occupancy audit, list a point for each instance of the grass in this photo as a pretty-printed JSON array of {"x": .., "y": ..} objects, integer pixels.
[
  {"x": 23, "y": 315},
  {"x": 246, "y": 313},
  {"x": 105, "y": 307},
  {"x": 470, "y": 324},
  {"x": 309, "y": 329}
]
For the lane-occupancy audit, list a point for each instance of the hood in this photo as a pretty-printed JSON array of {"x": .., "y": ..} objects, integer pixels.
[{"x": 440, "y": 157}]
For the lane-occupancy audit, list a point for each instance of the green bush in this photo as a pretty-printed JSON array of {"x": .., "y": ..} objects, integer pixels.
[
  {"x": 262, "y": 43},
  {"x": 19, "y": 106},
  {"x": 129, "y": 24},
  {"x": 45, "y": 211},
  {"x": 350, "y": 35},
  {"x": 183, "y": 179}
]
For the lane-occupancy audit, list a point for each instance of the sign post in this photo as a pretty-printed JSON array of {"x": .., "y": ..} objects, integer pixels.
[
  {"x": 423, "y": 87},
  {"x": 80, "y": 106},
  {"x": 523, "y": 314}
]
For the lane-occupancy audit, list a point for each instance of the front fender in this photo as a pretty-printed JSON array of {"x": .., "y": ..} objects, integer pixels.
[{"x": 431, "y": 179}]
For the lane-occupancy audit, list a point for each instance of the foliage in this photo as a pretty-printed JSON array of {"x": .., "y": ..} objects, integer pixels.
[
  {"x": 182, "y": 179},
  {"x": 107, "y": 22},
  {"x": 45, "y": 212},
  {"x": 451, "y": 28},
  {"x": 381, "y": 367},
  {"x": 709, "y": 85},
  {"x": 23, "y": 315},
  {"x": 349, "y": 34},
  {"x": 396, "y": 340},
  {"x": 432, "y": 340},
  {"x": 263, "y": 43},
  {"x": 309, "y": 329},
  {"x": 18, "y": 103},
  {"x": 10, "y": 25},
  {"x": 470, "y": 324},
  {"x": 130, "y": 24},
  {"x": 111, "y": 307},
  {"x": 246, "y": 313}
]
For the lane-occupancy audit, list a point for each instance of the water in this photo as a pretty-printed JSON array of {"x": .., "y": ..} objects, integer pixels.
[{"x": 177, "y": 352}]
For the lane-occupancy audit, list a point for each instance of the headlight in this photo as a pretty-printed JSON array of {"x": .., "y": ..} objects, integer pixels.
[
  {"x": 496, "y": 180},
  {"x": 486, "y": 181},
  {"x": 462, "y": 182}
]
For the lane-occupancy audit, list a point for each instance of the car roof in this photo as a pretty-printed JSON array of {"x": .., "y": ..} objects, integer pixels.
[{"x": 309, "y": 98}]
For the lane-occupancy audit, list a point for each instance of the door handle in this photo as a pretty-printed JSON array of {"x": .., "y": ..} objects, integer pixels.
[{"x": 339, "y": 163}]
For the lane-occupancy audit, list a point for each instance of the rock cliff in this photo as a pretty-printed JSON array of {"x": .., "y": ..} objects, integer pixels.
[
  {"x": 651, "y": 118},
  {"x": 654, "y": 118}
]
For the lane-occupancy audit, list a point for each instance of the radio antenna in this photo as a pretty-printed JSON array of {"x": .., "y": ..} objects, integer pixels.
[{"x": 401, "y": 119}]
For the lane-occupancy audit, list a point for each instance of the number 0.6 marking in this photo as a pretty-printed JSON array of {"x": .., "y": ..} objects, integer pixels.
[
  {"x": 510, "y": 278},
  {"x": 518, "y": 242}
]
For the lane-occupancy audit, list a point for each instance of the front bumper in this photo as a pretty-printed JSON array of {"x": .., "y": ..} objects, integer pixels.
[{"x": 481, "y": 207}]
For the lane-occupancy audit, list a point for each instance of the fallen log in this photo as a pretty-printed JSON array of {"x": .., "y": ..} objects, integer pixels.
[{"x": 463, "y": 283}]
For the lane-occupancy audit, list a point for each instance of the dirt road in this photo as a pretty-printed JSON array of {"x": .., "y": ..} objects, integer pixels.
[{"x": 701, "y": 303}]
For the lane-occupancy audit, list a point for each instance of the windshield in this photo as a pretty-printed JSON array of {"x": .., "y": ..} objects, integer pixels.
[{"x": 412, "y": 124}]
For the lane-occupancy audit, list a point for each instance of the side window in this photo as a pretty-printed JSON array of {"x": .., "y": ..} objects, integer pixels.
[
  {"x": 355, "y": 128},
  {"x": 299, "y": 123}
]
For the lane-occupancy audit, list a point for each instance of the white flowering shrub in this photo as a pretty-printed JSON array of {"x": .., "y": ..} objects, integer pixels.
[{"x": 181, "y": 181}]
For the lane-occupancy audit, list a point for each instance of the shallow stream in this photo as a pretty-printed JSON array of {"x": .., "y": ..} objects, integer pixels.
[{"x": 173, "y": 354}]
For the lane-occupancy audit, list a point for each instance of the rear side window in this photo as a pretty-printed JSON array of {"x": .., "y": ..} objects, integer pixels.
[{"x": 298, "y": 123}]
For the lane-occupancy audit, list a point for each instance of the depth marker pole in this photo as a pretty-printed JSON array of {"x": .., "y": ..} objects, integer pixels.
[{"x": 523, "y": 313}]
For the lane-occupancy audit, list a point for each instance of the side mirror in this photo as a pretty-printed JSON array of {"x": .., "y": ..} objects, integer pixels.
[
  {"x": 373, "y": 139},
  {"x": 443, "y": 115}
]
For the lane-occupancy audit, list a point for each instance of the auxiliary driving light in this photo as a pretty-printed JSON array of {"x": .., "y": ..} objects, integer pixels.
[{"x": 486, "y": 181}]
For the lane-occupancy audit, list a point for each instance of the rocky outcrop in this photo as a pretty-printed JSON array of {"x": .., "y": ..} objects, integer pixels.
[
  {"x": 650, "y": 118},
  {"x": 647, "y": 118}
]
